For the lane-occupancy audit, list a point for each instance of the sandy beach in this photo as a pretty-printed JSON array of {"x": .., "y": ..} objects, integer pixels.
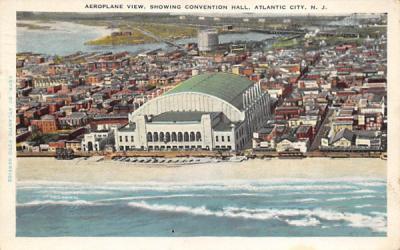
[{"x": 79, "y": 170}]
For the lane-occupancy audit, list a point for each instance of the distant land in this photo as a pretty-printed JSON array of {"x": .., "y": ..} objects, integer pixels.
[
  {"x": 137, "y": 33},
  {"x": 33, "y": 26}
]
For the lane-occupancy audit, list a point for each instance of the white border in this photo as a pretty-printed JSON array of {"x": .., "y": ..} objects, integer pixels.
[{"x": 7, "y": 204}]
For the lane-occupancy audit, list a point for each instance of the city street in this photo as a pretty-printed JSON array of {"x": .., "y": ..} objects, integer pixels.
[{"x": 324, "y": 126}]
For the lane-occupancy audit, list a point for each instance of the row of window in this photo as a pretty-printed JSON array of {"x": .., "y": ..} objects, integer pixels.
[
  {"x": 174, "y": 147},
  {"x": 127, "y": 148},
  {"x": 198, "y": 147},
  {"x": 228, "y": 138},
  {"x": 239, "y": 132},
  {"x": 126, "y": 138},
  {"x": 167, "y": 137},
  {"x": 100, "y": 135}
]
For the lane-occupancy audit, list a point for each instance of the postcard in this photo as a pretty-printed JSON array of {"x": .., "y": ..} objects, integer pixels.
[{"x": 200, "y": 125}]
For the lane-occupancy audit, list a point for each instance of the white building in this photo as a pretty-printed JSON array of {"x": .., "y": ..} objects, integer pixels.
[
  {"x": 216, "y": 111},
  {"x": 207, "y": 40},
  {"x": 97, "y": 140},
  {"x": 293, "y": 144}
]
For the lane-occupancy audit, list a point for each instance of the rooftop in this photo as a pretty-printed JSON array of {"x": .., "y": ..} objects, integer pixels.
[
  {"x": 303, "y": 129},
  {"x": 128, "y": 127},
  {"x": 344, "y": 133},
  {"x": 227, "y": 87},
  {"x": 180, "y": 116},
  {"x": 48, "y": 117},
  {"x": 223, "y": 126}
]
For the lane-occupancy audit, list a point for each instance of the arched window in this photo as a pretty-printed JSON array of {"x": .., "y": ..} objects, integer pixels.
[
  {"x": 90, "y": 146},
  {"x": 186, "y": 136},
  {"x": 149, "y": 136},
  {"x": 167, "y": 137},
  {"x": 155, "y": 136},
  {"x": 180, "y": 137},
  {"x": 161, "y": 136},
  {"x": 173, "y": 136},
  {"x": 192, "y": 137},
  {"x": 198, "y": 136}
]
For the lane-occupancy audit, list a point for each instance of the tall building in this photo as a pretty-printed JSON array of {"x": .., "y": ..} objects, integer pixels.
[
  {"x": 207, "y": 40},
  {"x": 214, "y": 111}
]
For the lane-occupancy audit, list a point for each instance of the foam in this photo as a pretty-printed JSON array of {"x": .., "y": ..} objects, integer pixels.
[
  {"x": 307, "y": 222},
  {"x": 76, "y": 192},
  {"x": 58, "y": 202},
  {"x": 307, "y": 200},
  {"x": 377, "y": 223},
  {"x": 364, "y": 206},
  {"x": 364, "y": 191},
  {"x": 379, "y": 214},
  {"x": 243, "y": 187},
  {"x": 150, "y": 197},
  {"x": 60, "y": 197},
  {"x": 371, "y": 183},
  {"x": 351, "y": 198}
]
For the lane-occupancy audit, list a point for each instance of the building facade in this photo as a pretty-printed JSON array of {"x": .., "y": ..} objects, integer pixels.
[
  {"x": 97, "y": 140},
  {"x": 215, "y": 111},
  {"x": 47, "y": 124},
  {"x": 207, "y": 40}
]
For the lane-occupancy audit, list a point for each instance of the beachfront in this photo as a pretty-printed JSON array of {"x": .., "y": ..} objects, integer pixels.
[
  {"x": 256, "y": 197},
  {"x": 90, "y": 171}
]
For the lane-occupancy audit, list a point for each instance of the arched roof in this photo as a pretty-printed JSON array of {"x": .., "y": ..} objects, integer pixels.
[
  {"x": 188, "y": 101},
  {"x": 228, "y": 87}
]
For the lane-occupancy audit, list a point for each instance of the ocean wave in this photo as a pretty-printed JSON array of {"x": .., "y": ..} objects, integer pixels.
[
  {"x": 377, "y": 223},
  {"x": 306, "y": 222},
  {"x": 242, "y": 187},
  {"x": 60, "y": 197},
  {"x": 364, "y": 191},
  {"x": 75, "y": 192},
  {"x": 59, "y": 202},
  {"x": 364, "y": 206},
  {"x": 247, "y": 195},
  {"x": 150, "y": 197},
  {"x": 307, "y": 200},
  {"x": 378, "y": 213},
  {"x": 198, "y": 211},
  {"x": 272, "y": 181},
  {"x": 351, "y": 198},
  {"x": 330, "y": 192},
  {"x": 371, "y": 183}
]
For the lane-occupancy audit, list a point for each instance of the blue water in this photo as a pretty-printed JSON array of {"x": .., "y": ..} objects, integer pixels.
[
  {"x": 64, "y": 38},
  {"x": 349, "y": 207}
]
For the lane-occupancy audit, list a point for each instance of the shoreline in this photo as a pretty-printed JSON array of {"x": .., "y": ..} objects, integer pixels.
[{"x": 87, "y": 171}]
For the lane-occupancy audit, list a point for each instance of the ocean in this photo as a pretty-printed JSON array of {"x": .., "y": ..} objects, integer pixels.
[{"x": 278, "y": 207}]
